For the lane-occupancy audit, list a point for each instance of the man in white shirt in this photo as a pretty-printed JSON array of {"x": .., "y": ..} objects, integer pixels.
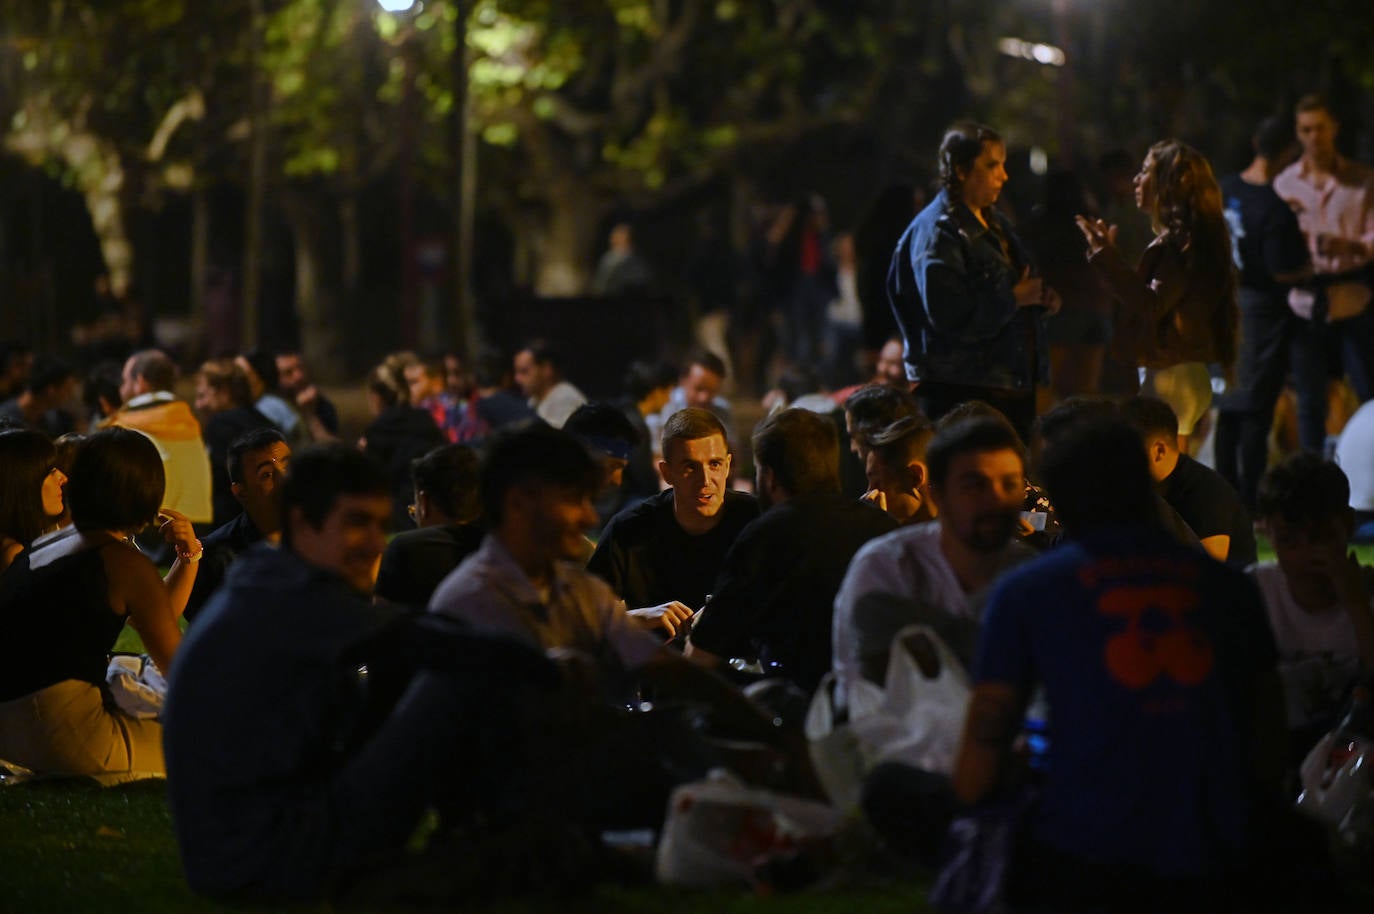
[
  {"x": 1334, "y": 201},
  {"x": 937, "y": 572},
  {"x": 540, "y": 375},
  {"x": 1315, "y": 593}
]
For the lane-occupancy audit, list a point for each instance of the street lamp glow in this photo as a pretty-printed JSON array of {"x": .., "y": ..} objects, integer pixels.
[
  {"x": 395, "y": 6},
  {"x": 1046, "y": 54}
]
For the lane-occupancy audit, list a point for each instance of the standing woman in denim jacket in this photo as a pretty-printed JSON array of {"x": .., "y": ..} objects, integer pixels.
[
  {"x": 1177, "y": 308},
  {"x": 963, "y": 291}
]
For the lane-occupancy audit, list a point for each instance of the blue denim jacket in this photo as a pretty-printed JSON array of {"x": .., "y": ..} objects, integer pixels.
[{"x": 950, "y": 286}]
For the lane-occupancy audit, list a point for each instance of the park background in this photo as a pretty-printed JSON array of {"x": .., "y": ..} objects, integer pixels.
[{"x": 331, "y": 175}]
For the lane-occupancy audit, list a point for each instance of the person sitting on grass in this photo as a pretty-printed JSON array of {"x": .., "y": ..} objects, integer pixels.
[
  {"x": 526, "y": 580},
  {"x": 1316, "y": 593},
  {"x": 30, "y": 490},
  {"x": 1159, "y": 673},
  {"x": 665, "y": 552},
  {"x": 256, "y": 464},
  {"x": 1205, "y": 500},
  {"x": 898, "y": 477},
  {"x": 775, "y": 593},
  {"x": 446, "y": 511},
  {"x": 866, "y": 411},
  {"x": 307, "y": 729},
  {"x": 611, "y": 437},
  {"x": 63, "y": 604}
]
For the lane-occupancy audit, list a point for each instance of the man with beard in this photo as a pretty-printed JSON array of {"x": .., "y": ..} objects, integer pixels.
[
  {"x": 938, "y": 572},
  {"x": 776, "y": 591}
]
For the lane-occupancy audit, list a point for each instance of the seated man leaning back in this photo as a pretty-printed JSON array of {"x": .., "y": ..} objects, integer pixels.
[{"x": 666, "y": 551}]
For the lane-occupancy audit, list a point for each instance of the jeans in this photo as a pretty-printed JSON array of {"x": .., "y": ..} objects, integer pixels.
[
  {"x": 1316, "y": 346},
  {"x": 1245, "y": 415}
]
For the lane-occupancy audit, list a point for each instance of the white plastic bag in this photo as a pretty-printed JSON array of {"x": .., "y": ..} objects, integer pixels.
[
  {"x": 138, "y": 687},
  {"x": 1337, "y": 779},
  {"x": 916, "y": 720},
  {"x": 719, "y": 831},
  {"x": 838, "y": 758}
]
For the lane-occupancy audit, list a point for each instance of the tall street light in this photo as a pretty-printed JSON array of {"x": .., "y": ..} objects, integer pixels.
[
  {"x": 406, "y": 157},
  {"x": 463, "y": 155}
]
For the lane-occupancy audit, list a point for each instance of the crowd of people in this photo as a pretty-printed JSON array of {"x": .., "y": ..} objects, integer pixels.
[{"x": 574, "y": 585}]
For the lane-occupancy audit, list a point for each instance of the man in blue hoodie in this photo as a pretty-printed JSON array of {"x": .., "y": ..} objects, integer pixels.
[{"x": 307, "y": 730}]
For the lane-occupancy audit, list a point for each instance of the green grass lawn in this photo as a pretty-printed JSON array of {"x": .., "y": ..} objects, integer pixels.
[
  {"x": 68, "y": 846},
  {"x": 74, "y": 847}
]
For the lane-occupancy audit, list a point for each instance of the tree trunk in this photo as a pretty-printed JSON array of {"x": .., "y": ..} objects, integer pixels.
[
  {"x": 565, "y": 245},
  {"x": 48, "y": 135},
  {"x": 257, "y": 178},
  {"x": 350, "y": 273},
  {"x": 321, "y": 338},
  {"x": 466, "y": 336},
  {"x": 200, "y": 254}
]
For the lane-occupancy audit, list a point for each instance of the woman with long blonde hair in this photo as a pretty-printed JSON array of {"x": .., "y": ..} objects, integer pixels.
[{"x": 1177, "y": 309}]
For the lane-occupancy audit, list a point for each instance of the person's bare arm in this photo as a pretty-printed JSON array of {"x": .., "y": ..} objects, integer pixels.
[
  {"x": 994, "y": 718},
  {"x": 181, "y": 577},
  {"x": 9, "y": 551},
  {"x": 307, "y": 402},
  {"x": 667, "y": 616},
  {"x": 137, "y": 592}
]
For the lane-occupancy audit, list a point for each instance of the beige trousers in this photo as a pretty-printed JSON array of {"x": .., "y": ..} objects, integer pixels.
[
  {"x": 1187, "y": 387},
  {"x": 66, "y": 730}
]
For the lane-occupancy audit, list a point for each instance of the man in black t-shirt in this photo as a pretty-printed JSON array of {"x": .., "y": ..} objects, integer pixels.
[
  {"x": 1270, "y": 253},
  {"x": 667, "y": 550},
  {"x": 775, "y": 596},
  {"x": 1198, "y": 493},
  {"x": 445, "y": 510}
]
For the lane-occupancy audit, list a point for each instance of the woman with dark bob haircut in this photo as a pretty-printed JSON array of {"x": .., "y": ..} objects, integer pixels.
[
  {"x": 66, "y": 601},
  {"x": 30, "y": 490}
]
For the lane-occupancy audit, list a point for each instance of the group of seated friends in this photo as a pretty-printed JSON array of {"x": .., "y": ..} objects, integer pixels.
[{"x": 331, "y": 685}]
